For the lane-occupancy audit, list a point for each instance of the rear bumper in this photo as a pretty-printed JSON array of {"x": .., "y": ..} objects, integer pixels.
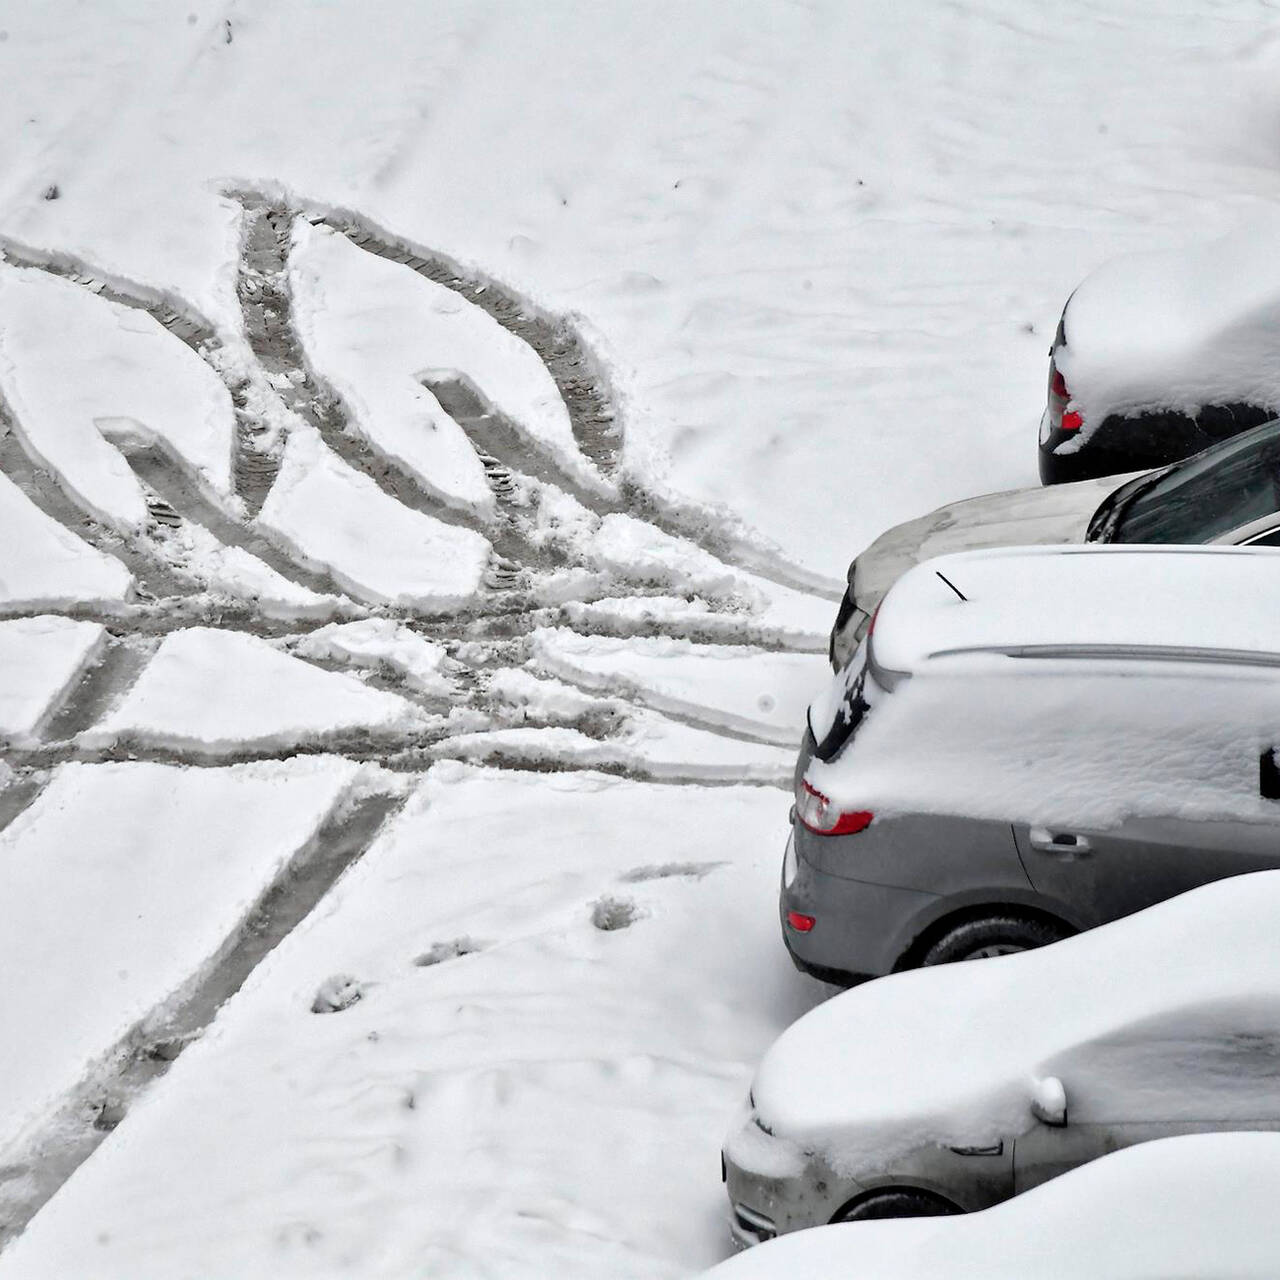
[{"x": 858, "y": 928}]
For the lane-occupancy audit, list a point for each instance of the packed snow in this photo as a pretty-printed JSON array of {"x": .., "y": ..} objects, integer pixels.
[
  {"x": 380, "y": 644},
  {"x": 119, "y": 884},
  {"x": 1200, "y": 1205},
  {"x": 240, "y": 575},
  {"x": 40, "y": 660},
  {"x": 225, "y": 691},
  {"x": 758, "y": 694},
  {"x": 44, "y": 565},
  {"x": 78, "y": 370},
  {"x": 338, "y": 520}
]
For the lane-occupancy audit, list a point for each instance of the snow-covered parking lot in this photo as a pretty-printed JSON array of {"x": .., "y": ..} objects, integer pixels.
[{"x": 432, "y": 438}]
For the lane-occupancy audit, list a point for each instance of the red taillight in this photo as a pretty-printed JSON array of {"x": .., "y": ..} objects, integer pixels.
[
  {"x": 1071, "y": 421},
  {"x": 1058, "y": 386},
  {"x": 800, "y": 922},
  {"x": 871, "y": 626},
  {"x": 823, "y": 818}
]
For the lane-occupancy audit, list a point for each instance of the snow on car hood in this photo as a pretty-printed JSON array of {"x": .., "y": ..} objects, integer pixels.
[
  {"x": 1202, "y": 1205},
  {"x": 1178, "y": 328},
  {"x": 1039, "y": 516},
  {"x": 949, "y": 1055}
]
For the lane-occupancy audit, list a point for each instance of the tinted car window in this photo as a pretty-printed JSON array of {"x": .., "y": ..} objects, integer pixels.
[
  {"x": 1232, "y": 484},
  {"x": 835, "y": 719}
]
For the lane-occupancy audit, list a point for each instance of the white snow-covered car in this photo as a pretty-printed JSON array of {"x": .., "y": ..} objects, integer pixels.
[
  {"x": 1227, "y": 494},
  {"x": 1159, "y": 354},
  {"x": 1202, "y": 1207},
  {"x": 951, "y": 1089}
]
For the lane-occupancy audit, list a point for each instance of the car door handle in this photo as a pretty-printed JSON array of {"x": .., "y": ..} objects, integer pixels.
[{"x": 1062, "y": 844}]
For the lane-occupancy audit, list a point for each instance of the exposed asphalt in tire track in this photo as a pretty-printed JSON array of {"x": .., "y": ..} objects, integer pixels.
[
  {"x": 108, "y": 680},
  {"x": 161, "y": 472}
]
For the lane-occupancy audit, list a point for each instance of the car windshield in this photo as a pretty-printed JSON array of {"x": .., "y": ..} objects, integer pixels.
[{"x": 1226, "y": 486}]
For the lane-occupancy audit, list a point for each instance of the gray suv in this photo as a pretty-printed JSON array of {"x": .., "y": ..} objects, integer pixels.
[{"x": 1031, "y": 741}]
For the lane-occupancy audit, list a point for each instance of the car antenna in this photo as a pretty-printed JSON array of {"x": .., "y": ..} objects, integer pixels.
[{"x": 953, "y": 586}]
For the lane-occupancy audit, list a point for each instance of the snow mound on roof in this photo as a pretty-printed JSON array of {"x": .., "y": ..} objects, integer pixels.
[
  {"x": 120, "y": 883},
  {"x": 44, "y": 565},
  {"x": 335, "y": 519},
  {"x": 1204, "y": 597},
  {"x": 948, "y": 1055},
  {"x": 76, "y": 368},
  {"x": 1179, "y": 328},
  {"x": 219, "y": 691},
  {"x": 40, "y": 660},
  {"x": 1199, "y": 1205}
]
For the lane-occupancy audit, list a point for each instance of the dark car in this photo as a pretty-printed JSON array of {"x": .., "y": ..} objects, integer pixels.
[{"x": 1159, "y": 355}]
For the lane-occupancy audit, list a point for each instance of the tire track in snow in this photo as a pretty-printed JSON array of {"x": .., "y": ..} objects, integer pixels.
[
  {"x": 265, "y": 297},
  {"x": 153, "y": 579},
  {"x": 102, "y": 1100},
  {"x": 588, "y": 396},
  {"x": 254, "y": 467},
  {"x": 20, "y": 794}
]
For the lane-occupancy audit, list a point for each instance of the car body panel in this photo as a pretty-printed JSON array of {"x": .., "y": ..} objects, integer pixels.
[
  {"x": 971, "y": 1178},
  {"x": 1025, "y": 517},
  {"x": 1142, "y": 861}
]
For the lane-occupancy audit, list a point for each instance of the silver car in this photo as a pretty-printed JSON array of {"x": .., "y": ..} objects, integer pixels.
[
  {"x": 947, "y": 1090},
  {"x": 1228, "y": 494},
  {"x": 1032, "y": 741}
]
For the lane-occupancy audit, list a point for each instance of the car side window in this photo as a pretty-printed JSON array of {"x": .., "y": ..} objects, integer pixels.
[
  {"x": 1271, "y": 538},
  {"x": 1212, "y": 1063}
]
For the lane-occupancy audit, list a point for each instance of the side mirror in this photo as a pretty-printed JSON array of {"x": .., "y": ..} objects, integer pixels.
[{"x": 1049, "y": 1101}]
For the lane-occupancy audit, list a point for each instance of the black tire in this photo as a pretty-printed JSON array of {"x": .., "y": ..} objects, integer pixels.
[
  {"x": 902, "y": 1202},
  {"x": 992, "y": 935}
]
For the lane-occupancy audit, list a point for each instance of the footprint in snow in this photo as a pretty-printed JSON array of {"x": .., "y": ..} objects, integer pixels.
[
  {"x": 608, "y": 913},
  {"x": 667, "y": 870},
  {"x": 451, "y": 950},
  {"x": 337, "y": 993}
]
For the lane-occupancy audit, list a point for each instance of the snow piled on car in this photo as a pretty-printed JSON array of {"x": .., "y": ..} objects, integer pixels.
[
  {"x": 1201, "y": 1205},
  {"x": 1178, "y": 328},
  {"x": 952, "y": 1055}
]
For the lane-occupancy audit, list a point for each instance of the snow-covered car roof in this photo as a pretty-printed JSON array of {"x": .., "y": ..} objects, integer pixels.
[
  {"x": 1132, "y": 1017},
  {"x": 1201, "y": 1206},
  {"x": 1195, "y": 597},
  {"x": 1178, "y": 328}
]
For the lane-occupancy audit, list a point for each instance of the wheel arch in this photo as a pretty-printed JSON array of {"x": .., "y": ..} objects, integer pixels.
[
  {"x": 891, "y": 1188},
  {"x": 925, "y": 930}
]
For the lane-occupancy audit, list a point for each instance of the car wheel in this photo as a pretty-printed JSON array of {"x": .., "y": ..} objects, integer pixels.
[
  {"x": 1000, "y": 935},
  {"x": 902, "y": 1203}
]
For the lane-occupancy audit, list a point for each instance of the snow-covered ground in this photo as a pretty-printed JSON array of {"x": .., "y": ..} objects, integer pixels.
[{"x": 507, "y": 384}]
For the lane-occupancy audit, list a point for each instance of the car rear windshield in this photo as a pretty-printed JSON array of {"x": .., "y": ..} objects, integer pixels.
[
  {"x": 835, "y": 717},
  {"x": 1224, "y": 487}
]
